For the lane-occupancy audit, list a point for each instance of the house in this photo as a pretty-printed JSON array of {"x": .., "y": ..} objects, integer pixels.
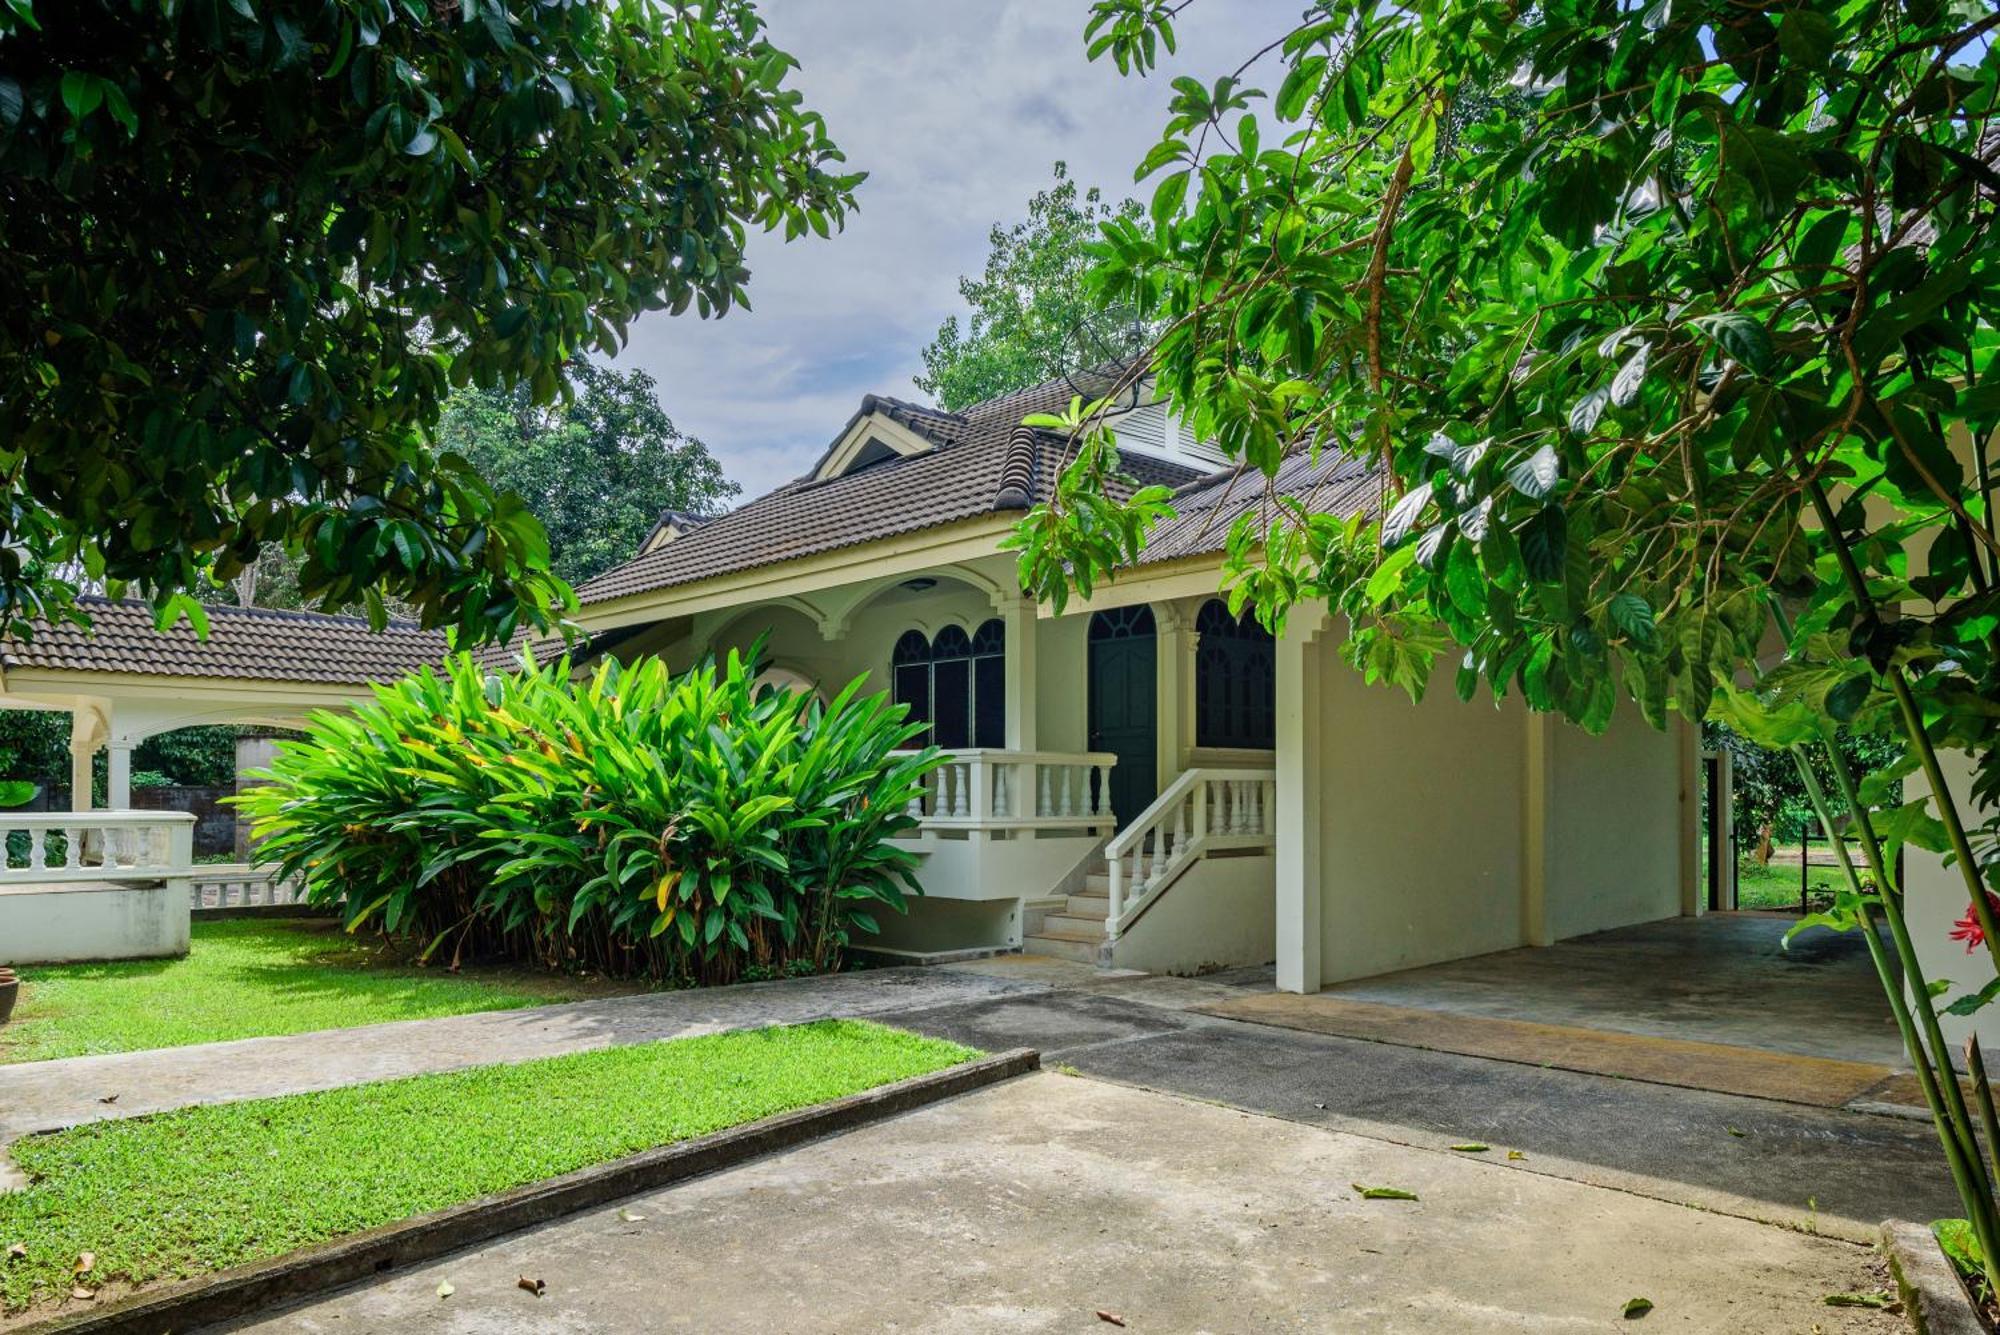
[{"x": 1142, "y": 781}]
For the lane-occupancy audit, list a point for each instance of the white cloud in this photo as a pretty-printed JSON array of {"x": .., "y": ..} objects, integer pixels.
[{"x": 957, "y": 109}]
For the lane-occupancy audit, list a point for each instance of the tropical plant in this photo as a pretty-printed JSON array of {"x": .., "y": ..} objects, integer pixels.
[
  {"x": 247, "y": 247},
  {"x": 1033, "y": 318},
  {"x": 678, "y": 828},
  {"x": 1670, "y": 329}
]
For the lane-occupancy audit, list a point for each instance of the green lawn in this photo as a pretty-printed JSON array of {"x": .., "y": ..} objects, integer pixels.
[
  {"x": 188, "y": 1192},
  {"x": 245, "y": 977},
  {"x": 1777, "y": 886}
]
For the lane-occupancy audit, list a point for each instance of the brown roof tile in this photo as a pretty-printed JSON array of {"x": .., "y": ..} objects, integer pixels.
[
  {"x": 253, "y": 643},
  {"x": 984, "y": 463},
  {"x": 1205, "y": 511}
]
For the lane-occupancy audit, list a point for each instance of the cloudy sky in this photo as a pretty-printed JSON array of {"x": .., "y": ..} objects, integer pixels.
[{"x": 958, "y": 110}]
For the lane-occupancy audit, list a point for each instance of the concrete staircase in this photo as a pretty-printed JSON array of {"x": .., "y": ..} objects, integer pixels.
[{"x": 1073, "y": 928}]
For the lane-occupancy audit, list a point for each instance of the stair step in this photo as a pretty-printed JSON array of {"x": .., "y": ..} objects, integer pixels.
[
  {"x": 1073, "y": 924},
  {"x": 1096, "y": 883},
  {"x": 1079, "y": 946},
  {"x": 1094, "y": 907}
]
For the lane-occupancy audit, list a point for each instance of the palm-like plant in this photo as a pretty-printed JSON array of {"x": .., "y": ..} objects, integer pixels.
[{"x": 685, "y": 828}]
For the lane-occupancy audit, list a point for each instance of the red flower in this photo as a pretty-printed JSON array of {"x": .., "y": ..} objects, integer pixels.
[{"x": 1968, "y": 930}]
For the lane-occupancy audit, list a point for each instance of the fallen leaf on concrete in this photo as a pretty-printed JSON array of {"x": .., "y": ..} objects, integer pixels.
[
  {"x": 630, "y": 1216},
  {"x": 17, "y": 1251},
  {"x": 82, "y": 1293},
  {"x": 445, "y": 1290},
  {"x": 1878, "y": 1299},
  {"x": 1111, "y": 1318},
  {"x": 1515, "y": 1154},
  {"x": 1383, "y": 1193},
  {"x": 1472, "y": 1147},
  {"x": 534, "y": 1286},
  {"x": 1637, "y": 1307},
  {"x": 85, "y": 1263},
  {"x": 109, "y": 1098},
  {"x": 1734, "y": 1132}
]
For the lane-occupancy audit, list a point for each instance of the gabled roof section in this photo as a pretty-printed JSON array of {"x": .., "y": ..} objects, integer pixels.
[
  {"x": 882, "y": 430},
  {"x": 982, "y": 462},
  {"x": 244, "y": 643},
  {"x": 670, "y": 525}
]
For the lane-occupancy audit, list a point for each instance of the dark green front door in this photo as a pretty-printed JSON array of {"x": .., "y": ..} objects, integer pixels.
[{"x": 1124, "y": 718}]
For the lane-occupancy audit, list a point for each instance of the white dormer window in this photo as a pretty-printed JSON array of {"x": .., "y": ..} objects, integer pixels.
[
  {"x": 1151, "y": 429},
  {"x": 874, "y": 438}
]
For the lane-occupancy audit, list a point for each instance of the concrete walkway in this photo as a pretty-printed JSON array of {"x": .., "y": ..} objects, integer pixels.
[
  {"x": 1050, "y": 1203},
  {"x": 1832, "y": 1170}
]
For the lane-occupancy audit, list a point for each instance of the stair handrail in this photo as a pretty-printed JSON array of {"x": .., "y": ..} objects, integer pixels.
[{"x": 1203, "y": 809}]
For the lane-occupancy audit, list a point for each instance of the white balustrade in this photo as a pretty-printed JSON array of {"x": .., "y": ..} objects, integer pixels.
[
  {"x": 1202, "y": 811},
  {"x": 985, "y": 789},
  {"x": 52, "y": 848},
  {"x": 230, "y": 885}
]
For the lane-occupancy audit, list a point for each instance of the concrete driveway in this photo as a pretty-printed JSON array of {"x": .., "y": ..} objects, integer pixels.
[{"x": 1039, "y": 1204}]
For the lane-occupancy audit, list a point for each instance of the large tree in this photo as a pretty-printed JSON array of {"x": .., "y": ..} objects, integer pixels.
[
  {"x": 1032, "y": 316},
  {"x": 597, "y": 468},
  {"x": 247, "y": 246},
  {"x": 1671, "y": 327}
]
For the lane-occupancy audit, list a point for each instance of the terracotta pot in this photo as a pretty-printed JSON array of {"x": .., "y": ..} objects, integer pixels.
[{"x": 10, "y": 992}]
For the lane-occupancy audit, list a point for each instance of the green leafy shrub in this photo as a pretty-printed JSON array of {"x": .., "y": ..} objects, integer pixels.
[{"x": 689, "y": 829}]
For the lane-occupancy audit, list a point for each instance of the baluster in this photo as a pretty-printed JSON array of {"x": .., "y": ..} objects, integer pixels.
[
  {"x": 1068, "y": 790},
  {"x": 1180, "y": 827},
  {"x": 1003, "y": 803},
  {"x": 1238, "y": 818},
  {"x": 962, "y": 794},
  {"x": 1267, "y": 798},
  {"x": 37, "y": 852}
]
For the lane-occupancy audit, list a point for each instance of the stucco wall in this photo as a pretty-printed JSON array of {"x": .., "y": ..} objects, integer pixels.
[
  {"x": 1420, "y": 843},
  {"x": 93, "y": 921},
  {"x": 1062, "y": 673},
  {"x": 1614, "y": 826}
]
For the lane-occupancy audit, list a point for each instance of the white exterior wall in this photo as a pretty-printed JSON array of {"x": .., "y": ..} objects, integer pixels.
[
  {"x": 1614, "y": 825},
  {"x": 93, "y": 921},
  {"x": 1220, "y": 912},
  {"x": 1420, "y": 824},
  {"x": 1427, "y": 832},
  {"x": 1934, "y": 897}
]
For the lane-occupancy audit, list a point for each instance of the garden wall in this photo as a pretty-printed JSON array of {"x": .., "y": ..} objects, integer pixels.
[{"x": 214, "y": 822}]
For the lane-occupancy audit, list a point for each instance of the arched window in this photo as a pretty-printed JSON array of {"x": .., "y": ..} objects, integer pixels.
[
  {"x": 1235, "y": 680},
  {"x": 956, "y": 682}
]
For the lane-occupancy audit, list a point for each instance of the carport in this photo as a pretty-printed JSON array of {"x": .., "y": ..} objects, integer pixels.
[{"x": 1718, "y": 1002}]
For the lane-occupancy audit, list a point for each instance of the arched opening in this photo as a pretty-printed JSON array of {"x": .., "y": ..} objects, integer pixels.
[
  {"x": 1235, "y": 681},
  {"x": 955, "y": 682},
  {"x": 1123, "y": 704}
]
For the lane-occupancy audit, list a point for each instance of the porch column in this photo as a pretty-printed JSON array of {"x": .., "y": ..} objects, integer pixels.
[
  {"x": 118, "y": 774},
  {"x": 1300, "y": 755},
  {"x": 1694, "y": 898},
  {"x": 1018, "y": 614},
  {"x": 79, "y": 775},
  {"x": 1538, "y": 780},
  {"x": 1174, "y": 679}
]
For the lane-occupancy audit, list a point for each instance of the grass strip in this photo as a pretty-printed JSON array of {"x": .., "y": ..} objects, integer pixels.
[
  {"x": 251, "y": 977},
  {"x": 198, "y": 1190}
]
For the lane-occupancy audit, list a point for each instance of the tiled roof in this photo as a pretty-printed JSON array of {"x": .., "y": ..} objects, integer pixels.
[
  {"x": 1205, "y": 511},
  {"x": 985, "y": 462},
  {"x": 252, "y": 643}
]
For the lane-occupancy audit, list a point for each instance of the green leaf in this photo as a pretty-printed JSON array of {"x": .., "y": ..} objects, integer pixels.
[
  {"x": 1383, "y": 1193},
  {"x": 1741, "y": 338},
  {"x": 1636, "y": 1307},
  {"x": 1633, "y": 616},
  {"x": 1974, "y": 1002},
  {"x": 1535, "y": 476},
  {"x": 1471, "y": 1147},
  {"x": 81, "y": 93},
  {"x": 1544, "y": 545}
]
